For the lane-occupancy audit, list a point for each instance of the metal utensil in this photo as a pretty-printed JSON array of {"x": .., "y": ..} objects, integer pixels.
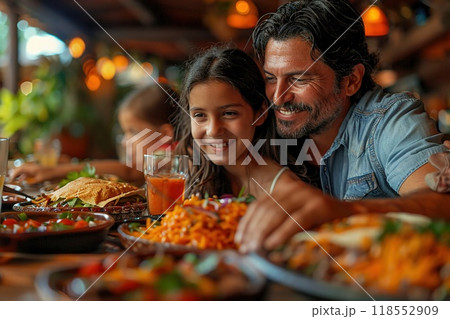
[
  {"x": 443, "y": 177},
  {"x": 14, "y": 191}
]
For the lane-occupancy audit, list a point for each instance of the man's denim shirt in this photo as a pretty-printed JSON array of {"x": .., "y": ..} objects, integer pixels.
[{"x": 383, "y": 139}]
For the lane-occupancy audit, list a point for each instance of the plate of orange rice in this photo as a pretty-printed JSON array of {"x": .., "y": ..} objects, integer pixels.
[{"x": 197, "y": 224}]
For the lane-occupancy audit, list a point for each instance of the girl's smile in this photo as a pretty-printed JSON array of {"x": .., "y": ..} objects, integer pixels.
[{"x": 221, "y": 120}]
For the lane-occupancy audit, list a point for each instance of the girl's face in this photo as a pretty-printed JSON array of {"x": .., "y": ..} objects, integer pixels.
[
  {"x": 131, "y": 126},
  {"x": 220, "y": 120}
]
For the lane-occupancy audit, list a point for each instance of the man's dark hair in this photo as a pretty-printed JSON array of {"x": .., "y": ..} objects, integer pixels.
[{"x": 332, "y": 27}]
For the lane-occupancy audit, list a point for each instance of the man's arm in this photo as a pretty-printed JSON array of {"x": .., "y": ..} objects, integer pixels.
[
  {"x": 416, "y": 181},
  {"x": 296, "y": 206},
  {"x": 271, "y": 221}
]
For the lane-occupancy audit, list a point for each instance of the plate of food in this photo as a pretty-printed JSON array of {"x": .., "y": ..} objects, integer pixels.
[
  {"x": 364, "y": 257},
  {"x": 197, "y": 224},
  {"x": 46, "y": 232},
  {"x": 87, "y": 171},
  {"x": 215, "y": 276},
  {"x": 120, "y": 200}
]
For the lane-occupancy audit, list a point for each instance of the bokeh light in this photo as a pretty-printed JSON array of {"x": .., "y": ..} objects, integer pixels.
[
  {"x": 106, "y": 68},
  {"x": 121, "y": 62},
  {"x": 77, "y": 47},
  {"x": 93, "y": 82},
  {"x": 242, "y": 7},
  {"x": 26, "y": 87}
]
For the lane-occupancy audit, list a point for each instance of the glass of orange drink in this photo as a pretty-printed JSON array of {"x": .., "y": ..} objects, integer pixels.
[{"x": 165, "y": 176}]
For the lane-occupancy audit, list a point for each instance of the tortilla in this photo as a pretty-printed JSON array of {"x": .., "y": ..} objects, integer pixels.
[{"x": 97, "y": 192}]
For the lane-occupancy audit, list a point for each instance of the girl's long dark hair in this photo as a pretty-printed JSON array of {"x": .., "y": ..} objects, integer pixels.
[{"x": 234, "y": 67}]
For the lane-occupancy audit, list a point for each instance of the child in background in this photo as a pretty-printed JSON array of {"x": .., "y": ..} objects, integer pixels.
[
  {"x": 224, "y": 94},
  {"x": 146, "y": 108}
]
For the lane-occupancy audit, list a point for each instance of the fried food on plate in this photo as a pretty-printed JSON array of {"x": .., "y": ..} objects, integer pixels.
[{"x": 92, "y": 192}]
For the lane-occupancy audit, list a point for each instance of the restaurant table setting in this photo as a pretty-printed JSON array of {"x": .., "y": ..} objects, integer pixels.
[{"x": 65, "y": 245}]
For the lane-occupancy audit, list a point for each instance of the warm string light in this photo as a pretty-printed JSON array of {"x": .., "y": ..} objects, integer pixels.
[
  {"x": 93, "y": 82},
  {"x": 106, "y": 68},
  {"x": 76, "y": 47},
  {"x": 121, "y": 62}
]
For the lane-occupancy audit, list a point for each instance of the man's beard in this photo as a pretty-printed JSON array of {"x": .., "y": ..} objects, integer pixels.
[{"x": 315, "y": 124}]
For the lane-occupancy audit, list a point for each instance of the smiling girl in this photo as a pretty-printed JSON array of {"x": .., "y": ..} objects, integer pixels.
[{"x": 226, "y": 126}]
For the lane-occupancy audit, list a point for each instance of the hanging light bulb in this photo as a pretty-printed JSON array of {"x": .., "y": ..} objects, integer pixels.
[
  {"x": 375, "y": 22},
  {"x": 243, "y": 14}
]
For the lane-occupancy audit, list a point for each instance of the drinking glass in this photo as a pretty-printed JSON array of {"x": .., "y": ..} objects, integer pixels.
[
  {"x": 4, "y": 147},
  {"x": 165, "y": 176},
  {"x": 47, "y": 152}
]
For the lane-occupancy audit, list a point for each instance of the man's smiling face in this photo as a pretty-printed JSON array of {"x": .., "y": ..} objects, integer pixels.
[{"x": 306, "y": 97}]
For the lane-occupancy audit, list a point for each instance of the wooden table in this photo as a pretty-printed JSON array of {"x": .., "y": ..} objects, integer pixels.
[{"x": 18, "y": 271}]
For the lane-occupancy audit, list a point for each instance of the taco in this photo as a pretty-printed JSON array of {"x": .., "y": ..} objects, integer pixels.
[{"x": 92, "y": 192}]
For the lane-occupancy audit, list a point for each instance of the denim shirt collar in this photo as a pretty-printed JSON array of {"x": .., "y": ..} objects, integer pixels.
[
  {"x": 340, "y": 137},
  {"x": 339, "y": 140}
]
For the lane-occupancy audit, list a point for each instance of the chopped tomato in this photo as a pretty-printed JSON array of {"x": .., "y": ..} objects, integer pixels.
[
  {"x": 94, "y": 268},
  {"x": 67, "y": 222},
  {"x": 81, "y": 224},
  {"x": 20, "y": 230},
  {"x": 9, "y": 222},
  {"x": 32, "y": 223}
]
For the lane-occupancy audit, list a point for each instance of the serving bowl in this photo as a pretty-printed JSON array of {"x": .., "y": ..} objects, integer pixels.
[
  {"x": 62, "y": 241},
  {"x": 118, "y": 213}
]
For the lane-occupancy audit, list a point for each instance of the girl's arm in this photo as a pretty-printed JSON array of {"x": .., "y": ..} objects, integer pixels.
[{"x": 35, "y": 173}]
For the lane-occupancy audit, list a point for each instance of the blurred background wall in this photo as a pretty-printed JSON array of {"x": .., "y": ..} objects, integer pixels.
[{"x": 65, "y": 65}]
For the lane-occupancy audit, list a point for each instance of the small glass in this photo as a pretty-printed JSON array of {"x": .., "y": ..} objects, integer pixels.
[
  {"x": 4, "y": 147},
  {"x": 165, "y": 176},
  {"x": 47, "y": 152}
]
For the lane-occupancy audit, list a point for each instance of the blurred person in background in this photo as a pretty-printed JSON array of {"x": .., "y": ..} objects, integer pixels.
[{"x": 145, "y": 108}]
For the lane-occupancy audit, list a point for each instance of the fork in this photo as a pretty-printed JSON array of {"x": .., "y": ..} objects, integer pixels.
[{"x": 443, "y": 178}]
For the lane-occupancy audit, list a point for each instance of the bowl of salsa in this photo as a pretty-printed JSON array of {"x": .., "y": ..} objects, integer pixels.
[{"x": 51, "y": 232}]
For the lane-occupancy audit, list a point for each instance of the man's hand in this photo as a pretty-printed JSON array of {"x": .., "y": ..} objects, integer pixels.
[
  {"x": 296, "y": 206},
  {"x": 272, "y": 220}
]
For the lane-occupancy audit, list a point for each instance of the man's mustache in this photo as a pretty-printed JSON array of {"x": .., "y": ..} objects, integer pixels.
[{"x": 293, "y": 107}]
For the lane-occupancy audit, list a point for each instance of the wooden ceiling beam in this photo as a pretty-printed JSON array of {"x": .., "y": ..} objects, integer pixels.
[
  {"x": 142, "y": 13},
  {"x": 54, "y": 22},
  {"x": 161, "y": 34}
]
